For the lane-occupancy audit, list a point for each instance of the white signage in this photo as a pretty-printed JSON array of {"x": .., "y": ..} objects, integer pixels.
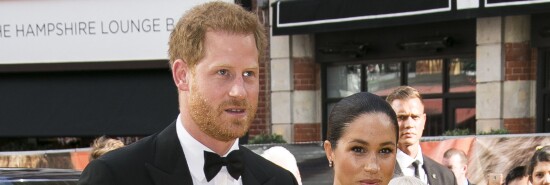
[
  {"x": 467, "y": 4},
  {"x": 54, "y": 31}
]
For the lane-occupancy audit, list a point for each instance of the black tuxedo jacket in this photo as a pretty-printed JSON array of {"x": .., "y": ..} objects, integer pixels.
[
  {"x": 437, "y": 173},
  {"x": 158, "y": 159}
]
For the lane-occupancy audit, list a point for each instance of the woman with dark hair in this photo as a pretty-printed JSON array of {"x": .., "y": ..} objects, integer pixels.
[
  {"x": 517, "y": 176},
  {"x": 362, "y": 140},
  {"x": 539, "y": 166}
]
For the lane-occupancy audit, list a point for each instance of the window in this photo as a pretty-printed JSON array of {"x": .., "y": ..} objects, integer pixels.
[
  {"x": 383, "y": 78},
  {"x": 344, "y": 81},
  {"x": 462, "y": 74},
  {"x": 426, "y": 75},
  {"x": 446, "y": 84}
]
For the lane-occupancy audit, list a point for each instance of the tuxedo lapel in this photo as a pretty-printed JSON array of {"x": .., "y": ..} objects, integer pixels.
[
  {"x": 169, "y": 166},
  {"x": 248, "y": 177},
  {"x": 177, "y": 177},
  {"x": 253, "y": 174}
]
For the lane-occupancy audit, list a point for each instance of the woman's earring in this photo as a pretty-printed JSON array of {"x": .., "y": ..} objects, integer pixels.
[{"x": 330, "y": 164}]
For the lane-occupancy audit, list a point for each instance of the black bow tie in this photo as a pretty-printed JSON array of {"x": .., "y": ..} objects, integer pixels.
[{"x": 213, "y": 164}]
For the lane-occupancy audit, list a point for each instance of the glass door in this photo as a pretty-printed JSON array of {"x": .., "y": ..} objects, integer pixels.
[{"x": 462, "y": 114}]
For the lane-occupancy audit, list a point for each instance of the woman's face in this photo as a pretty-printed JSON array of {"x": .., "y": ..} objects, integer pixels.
[
  {"x": 365, "y": 153},
  {"x": 541, "y": 173}
]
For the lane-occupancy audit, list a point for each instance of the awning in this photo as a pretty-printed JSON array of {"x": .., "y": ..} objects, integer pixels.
[{"x": 312, "y": 16}]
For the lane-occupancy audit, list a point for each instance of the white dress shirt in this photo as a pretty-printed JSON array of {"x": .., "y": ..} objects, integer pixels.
[
  {"x": 194, "y": 153},
  {"x": 405, "y": 163}
]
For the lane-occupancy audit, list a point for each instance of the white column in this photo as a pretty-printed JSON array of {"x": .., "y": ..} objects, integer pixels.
[
  {"x": 489, "y": 72},
  {"x": 281, "y": 84}
]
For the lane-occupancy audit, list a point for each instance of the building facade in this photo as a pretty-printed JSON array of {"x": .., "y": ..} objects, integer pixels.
[
  {"x": 480, "y": 65},
  {"x": 67, "y": 70}
]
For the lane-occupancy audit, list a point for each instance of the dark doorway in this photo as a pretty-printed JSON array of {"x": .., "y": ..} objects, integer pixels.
[{"x": 543, "y": 88}]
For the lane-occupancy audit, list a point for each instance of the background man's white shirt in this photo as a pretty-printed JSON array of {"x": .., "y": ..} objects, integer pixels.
[{"x": 405, "y": 163}]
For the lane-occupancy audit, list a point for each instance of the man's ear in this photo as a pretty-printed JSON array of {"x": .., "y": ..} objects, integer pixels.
[{"x": 180, "y": 74}]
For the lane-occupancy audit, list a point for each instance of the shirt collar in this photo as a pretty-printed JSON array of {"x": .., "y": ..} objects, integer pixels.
[
  {"x": 406, "y": 160},
  {"x": 193, "y": 149}
]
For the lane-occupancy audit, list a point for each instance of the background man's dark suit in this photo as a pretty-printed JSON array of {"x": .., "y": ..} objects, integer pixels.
[
  {"x": 159, "y": 160},
  {"x": 437, "y": 173}
]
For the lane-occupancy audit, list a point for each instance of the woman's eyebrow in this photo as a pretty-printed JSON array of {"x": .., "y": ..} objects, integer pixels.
[
  {"x": 360, "y": 141},
  {"x": 387, "y": 143}
]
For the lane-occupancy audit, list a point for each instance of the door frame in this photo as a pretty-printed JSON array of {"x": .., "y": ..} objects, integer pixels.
[
  {"x": 453, "y": 104},
  {"x": 543, "y": 92}
]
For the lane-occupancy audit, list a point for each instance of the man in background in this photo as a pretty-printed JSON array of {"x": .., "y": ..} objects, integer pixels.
[
  {"x": 457, "y": 162},
  {"x": 407, "y": 104}
]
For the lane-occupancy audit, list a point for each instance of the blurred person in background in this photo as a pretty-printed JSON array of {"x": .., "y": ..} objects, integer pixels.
[
  {"x": 282, "y": 157},
  {"x": 361, "y": 140},
  {"x": 102, "y": 145},
  {"x": 539, "y": 166},
  {"x": 517, "y": 176},
  {"x": 24, "y": 161},
  {"x": 406, "y": 180},
  {"x": 457, "y": 162}
]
